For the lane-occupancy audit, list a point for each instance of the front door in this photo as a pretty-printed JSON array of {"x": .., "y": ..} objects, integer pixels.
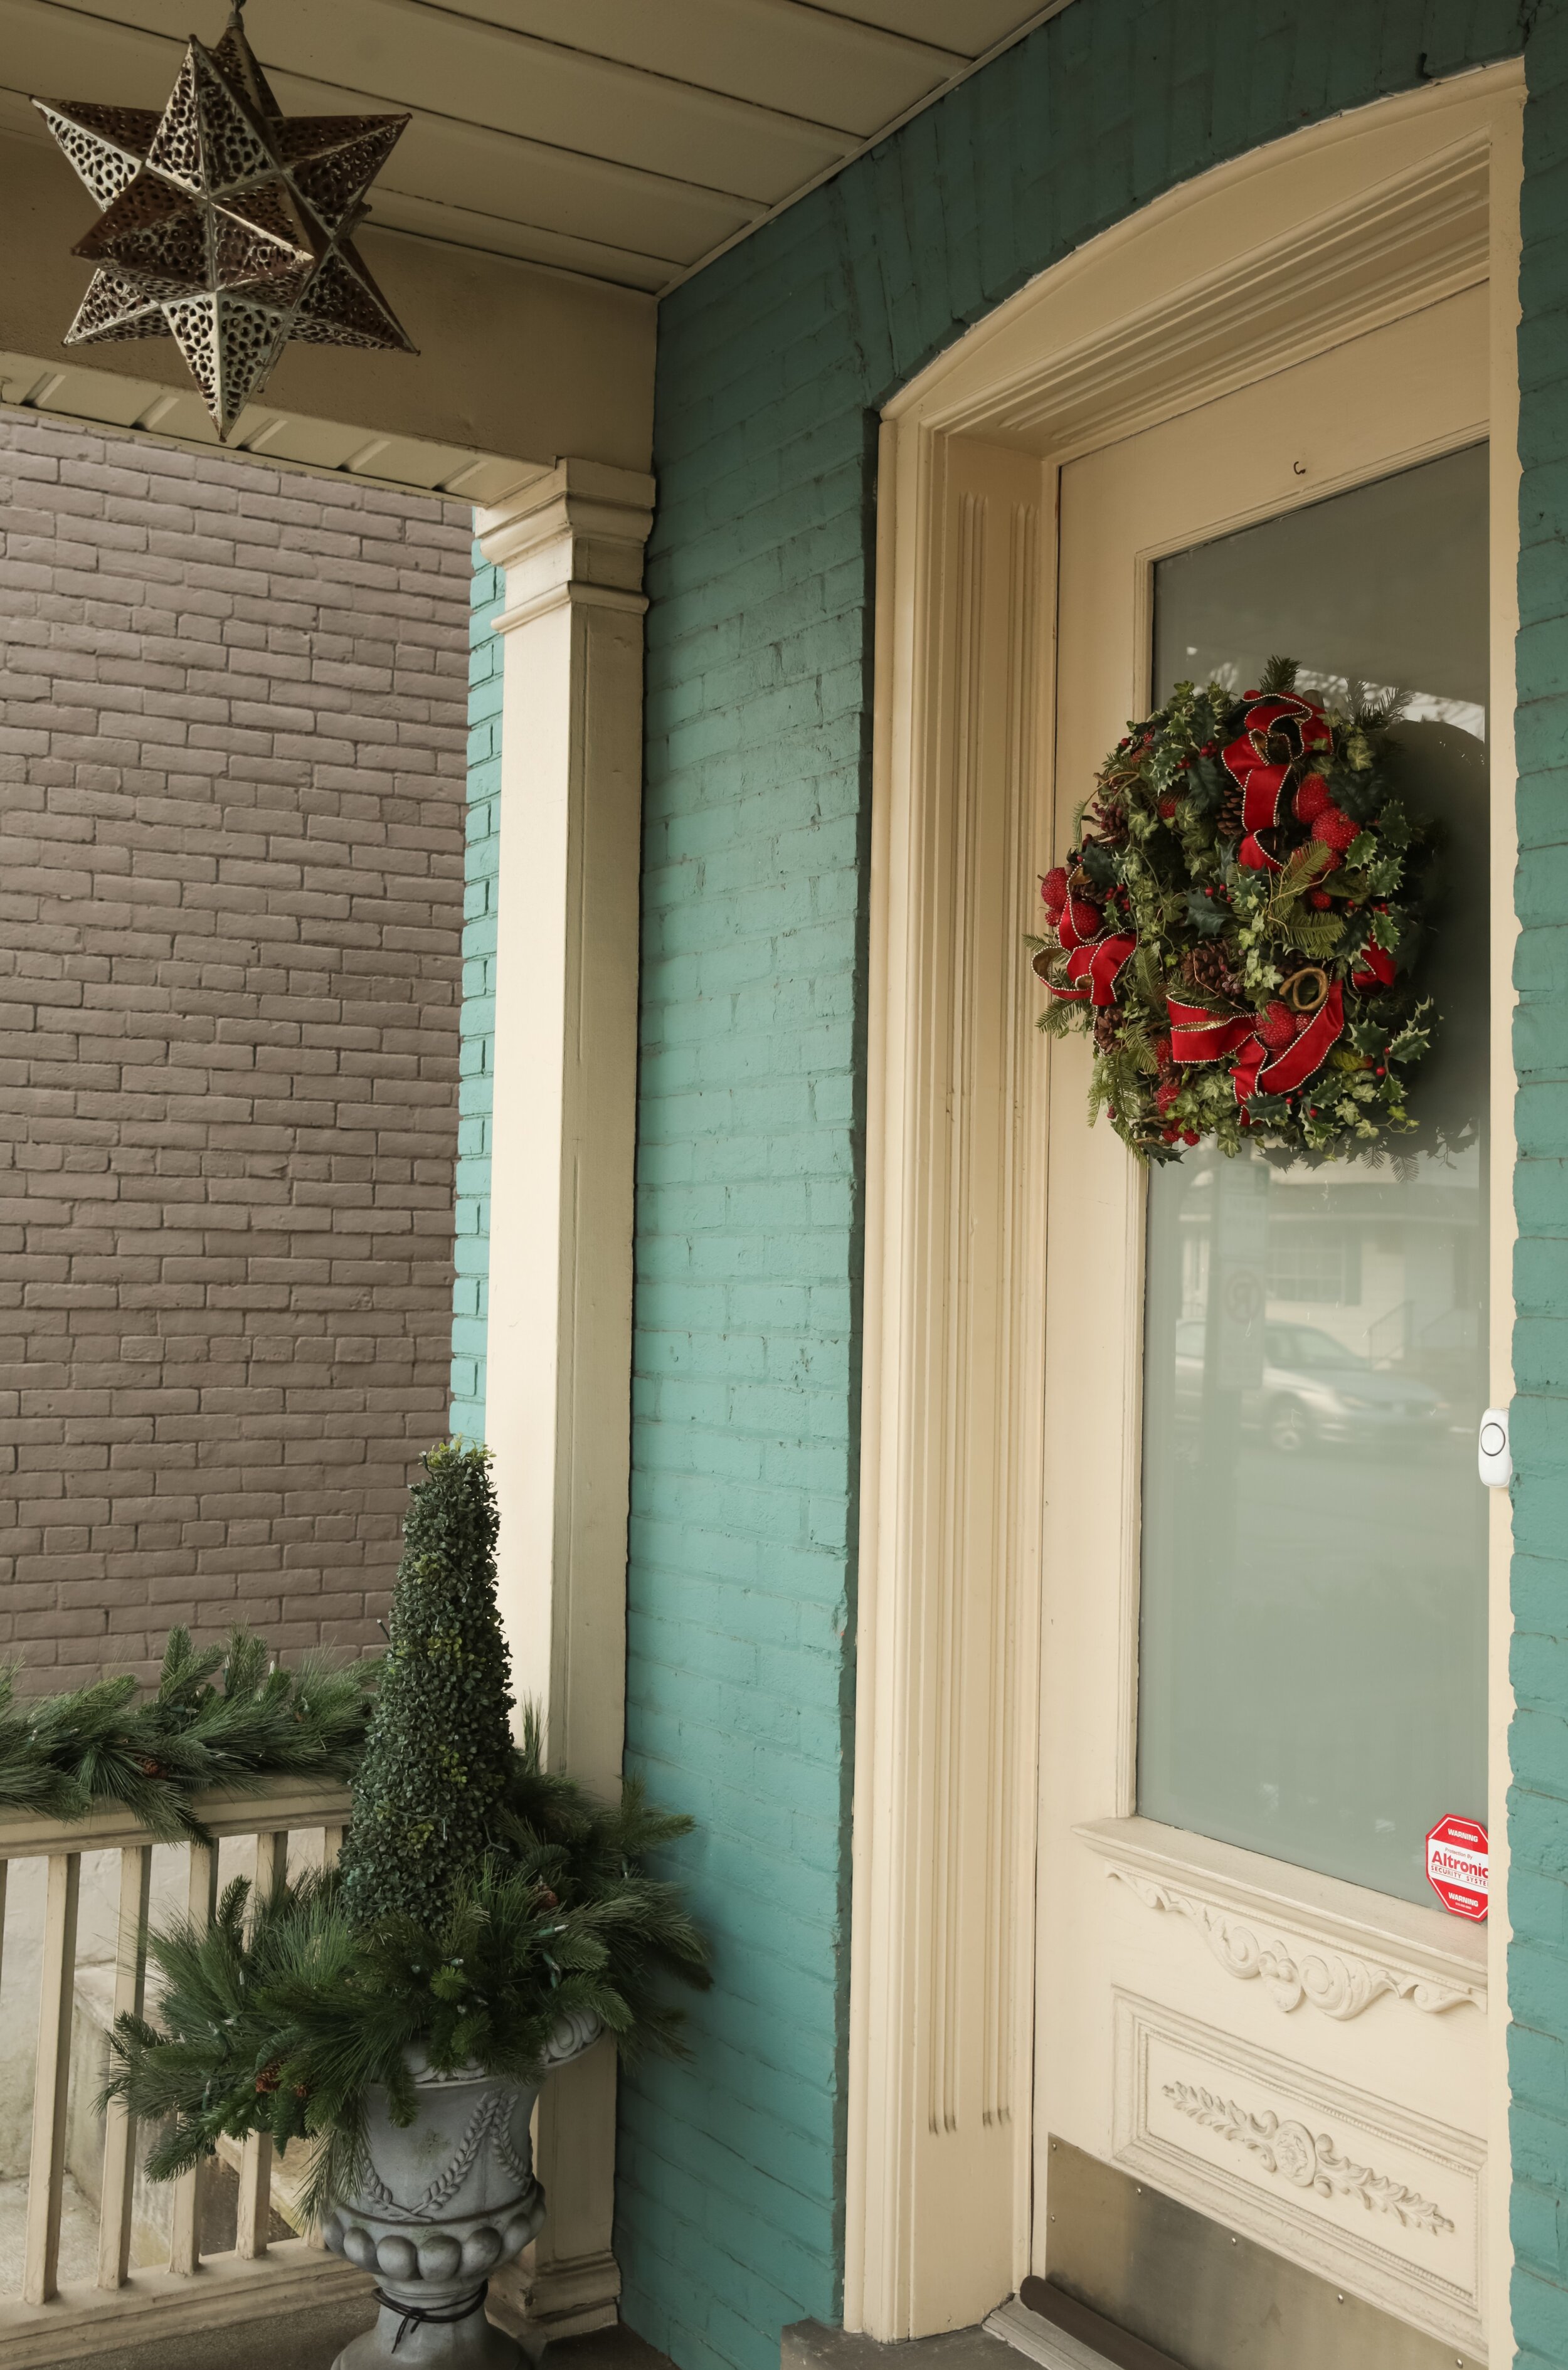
[{"x": 1266, "y": 1540}]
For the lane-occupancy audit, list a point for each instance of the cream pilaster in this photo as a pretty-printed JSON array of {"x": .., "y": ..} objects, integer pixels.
[{"x": 558, "y": 1351}]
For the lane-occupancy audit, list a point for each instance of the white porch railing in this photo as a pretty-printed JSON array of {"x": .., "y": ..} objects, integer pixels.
[{"x": 49, "y": 2322}]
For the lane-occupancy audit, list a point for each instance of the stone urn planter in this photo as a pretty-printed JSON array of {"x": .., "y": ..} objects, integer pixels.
[{"x": 446, "y": 2201}]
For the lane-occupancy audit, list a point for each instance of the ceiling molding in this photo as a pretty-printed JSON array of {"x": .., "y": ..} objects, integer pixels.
[{"x": 322, "y": 448}]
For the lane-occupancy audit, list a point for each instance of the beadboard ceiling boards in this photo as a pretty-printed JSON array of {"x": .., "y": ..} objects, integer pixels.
[{"x": 629, "y": 140}]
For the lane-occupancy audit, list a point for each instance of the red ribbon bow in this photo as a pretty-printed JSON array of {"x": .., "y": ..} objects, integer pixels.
[
  {"x": 1095, "y": 958},
  {"x": 1375, "y": 969},
  {"x": 1094, "y": 966},
  {"x": 1197, "y": 1035},
  {"x": 1260, "y": 778}
]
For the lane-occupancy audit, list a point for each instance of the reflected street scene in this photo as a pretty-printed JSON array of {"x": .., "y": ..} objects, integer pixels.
[{"x": 1314, "y": 1551}]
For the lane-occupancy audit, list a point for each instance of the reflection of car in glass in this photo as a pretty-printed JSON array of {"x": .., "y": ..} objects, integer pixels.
[{"x": 1314, "y": 1389}]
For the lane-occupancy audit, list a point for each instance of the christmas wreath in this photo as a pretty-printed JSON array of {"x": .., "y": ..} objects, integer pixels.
[{"x": 1235, "y": 926}]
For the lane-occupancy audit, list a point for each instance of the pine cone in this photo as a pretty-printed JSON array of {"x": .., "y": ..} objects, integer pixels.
[
  {"x": 1105, "y": 1031},
  {"x": 1230, "y": 822},
  {"x": 1207, "y": 968}
]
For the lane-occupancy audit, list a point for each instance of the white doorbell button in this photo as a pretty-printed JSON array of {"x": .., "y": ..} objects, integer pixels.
[{"x": 1493, "y": 1456}]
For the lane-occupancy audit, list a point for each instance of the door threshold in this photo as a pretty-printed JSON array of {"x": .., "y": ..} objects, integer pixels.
[{"x": 1058, "y": 2333}]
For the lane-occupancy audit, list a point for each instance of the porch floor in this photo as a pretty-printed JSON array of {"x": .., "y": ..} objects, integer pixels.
[{"x": 312, "y": 2341}]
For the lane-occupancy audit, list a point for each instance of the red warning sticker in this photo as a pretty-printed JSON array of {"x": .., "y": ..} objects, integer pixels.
[{"x": 1457, "y": 1866}]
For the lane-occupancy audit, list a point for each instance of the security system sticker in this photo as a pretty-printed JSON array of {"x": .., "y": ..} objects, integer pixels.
[{"x": 1457, "y": 1866}]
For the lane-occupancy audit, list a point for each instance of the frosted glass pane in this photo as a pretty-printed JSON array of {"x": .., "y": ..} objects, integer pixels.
[{"x": 1313, "y": 1669}]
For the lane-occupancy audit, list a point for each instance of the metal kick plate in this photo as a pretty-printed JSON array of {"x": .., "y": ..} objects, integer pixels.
[{"x": 1211, "y": 2299}]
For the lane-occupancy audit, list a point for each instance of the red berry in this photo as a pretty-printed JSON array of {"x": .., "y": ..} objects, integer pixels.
[
  {"x": 1302, "y": 1021},
  {"x": 1084, "y": 917},
  {"x": 1167, "y": 809},
  {"x": 1054, "y": 888},
  {"x": 1321, "y": 900},
  {"x": 1162, "y": 1052},
  {"x": 1313, "y": 798},
  {"x": 1277, "y": 1027},
  {"x": 1334, "y": 828},
  {"x": 1166, "y": 1095},
  {"x": 1188, "y": 1136}
]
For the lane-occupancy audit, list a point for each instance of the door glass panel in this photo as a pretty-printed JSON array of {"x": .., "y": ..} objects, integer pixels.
[{"x": 1313, "y": 1669}]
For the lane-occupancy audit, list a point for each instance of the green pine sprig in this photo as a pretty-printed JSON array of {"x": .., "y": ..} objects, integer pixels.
[{"x": 220, "y": 1716}]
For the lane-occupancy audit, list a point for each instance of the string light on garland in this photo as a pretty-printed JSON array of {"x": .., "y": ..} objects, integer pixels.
[
  {"x": 227, "y": 224},
  {"x": 1235, "y": 924}
]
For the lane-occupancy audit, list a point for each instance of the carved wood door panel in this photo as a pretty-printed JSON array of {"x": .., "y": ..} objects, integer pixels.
[{"x": 1266, "y": 1547}]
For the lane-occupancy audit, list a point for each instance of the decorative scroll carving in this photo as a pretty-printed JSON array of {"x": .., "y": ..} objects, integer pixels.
[
  {"x": 1290, "y": 2150},
  {"x": 1335, "y": 1983}
]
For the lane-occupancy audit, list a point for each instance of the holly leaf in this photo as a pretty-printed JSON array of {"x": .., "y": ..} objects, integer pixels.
[
  {"x": 1205, "y": 791},
  {"x": 1207, "y": 914}
]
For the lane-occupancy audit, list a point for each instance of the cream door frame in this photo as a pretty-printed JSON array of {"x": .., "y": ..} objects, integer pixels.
[{"x": 1215, "y": 285}]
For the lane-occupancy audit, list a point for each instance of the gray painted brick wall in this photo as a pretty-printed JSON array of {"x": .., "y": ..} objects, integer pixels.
[{"x": 231, "y": 882}]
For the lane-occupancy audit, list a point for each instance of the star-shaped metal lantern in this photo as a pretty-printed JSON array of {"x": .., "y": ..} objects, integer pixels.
[{"x": 227, "y": 224}]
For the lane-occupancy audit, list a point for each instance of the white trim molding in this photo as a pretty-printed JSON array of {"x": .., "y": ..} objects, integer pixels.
[
  {"x": 1386, "y": 2203},
  {"x": 942, "y": 1948},
  {"x": 1370, "y": 218},
  {"x": 557, "y": 1408},
  {"x": 1331, "y": 1946}
]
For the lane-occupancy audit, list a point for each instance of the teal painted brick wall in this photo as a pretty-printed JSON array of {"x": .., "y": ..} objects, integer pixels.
[
  {"x": 1538, "y": 1826},
  {"x": 742, "y": 1584},
  {"x": 481, "y": 875}
]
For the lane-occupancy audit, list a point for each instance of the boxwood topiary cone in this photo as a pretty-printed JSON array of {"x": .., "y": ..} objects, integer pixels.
[{"x": 439, "y": 1752}]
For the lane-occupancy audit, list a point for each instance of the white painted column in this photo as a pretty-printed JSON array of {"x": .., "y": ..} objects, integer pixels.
[{"x": 557, "y": 1399}]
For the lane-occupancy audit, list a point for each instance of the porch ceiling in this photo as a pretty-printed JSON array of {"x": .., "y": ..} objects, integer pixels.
[{"x": 626, "y": 140}]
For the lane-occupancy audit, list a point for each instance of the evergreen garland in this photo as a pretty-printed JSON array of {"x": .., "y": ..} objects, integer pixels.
[
  {"x": 225, "y": 1716},
  {"x": 438, "y": 1763},
  {"x": 1235, "y": 924}
]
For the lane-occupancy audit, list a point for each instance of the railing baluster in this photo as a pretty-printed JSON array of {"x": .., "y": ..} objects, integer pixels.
[
  {"x": 255, "y": 2156},
  {"x": 201, "y": 1899},
  {"x": 46, "y": 2177},
  {"x": 119, "y": 2130},
  {"x": 331, "y": 1845}
]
